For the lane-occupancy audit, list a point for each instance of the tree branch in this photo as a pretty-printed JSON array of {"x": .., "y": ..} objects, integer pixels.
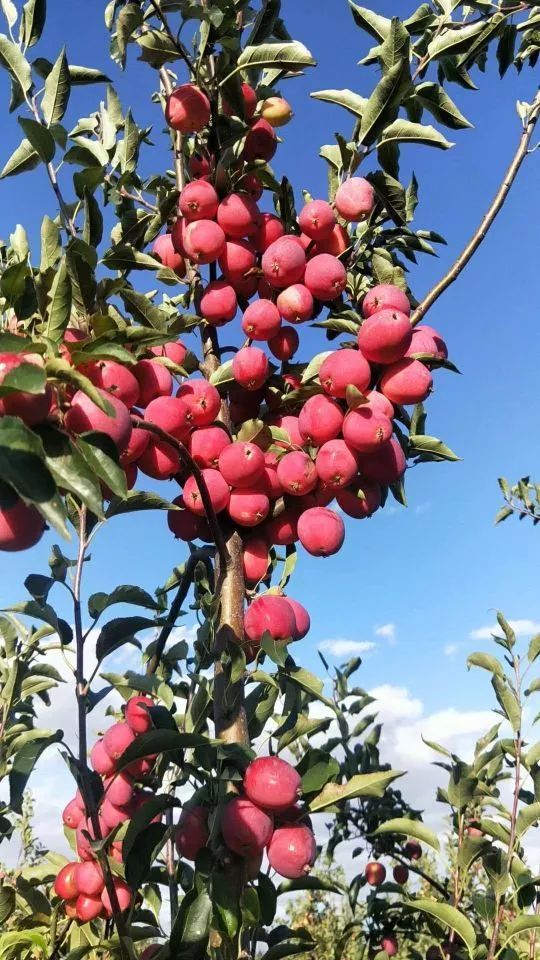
[
  {"x": 489, "y": 218},
  {"x": 188, "y": 462},
  {"x": 176, "y": 137},
  {"x": 174, "y": 40}
]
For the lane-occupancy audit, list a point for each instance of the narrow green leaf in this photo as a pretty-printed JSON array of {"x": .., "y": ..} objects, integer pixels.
[
  {"x": 508, "y": 702},
  {"x": 486, "y": 662},
  {"x": 59, "y": 303},
  {"x": 449, "y": 917},
  {"x": 57, "y": 90},
  {"x": 404, "y": 826},
  {"x": 423, "y": 444},
  {"x": 381, "y": 104},
  {"x": 403, "y": 131},
  {"x": 372, "y": 23},
  {"x": 22, "y": 159},
  {"x": 51, "y": 248},
  {"x": 33, "y": 21},
  {"x": 361, "y": 785},
  {"x": 14, "y": 61},
  {"x": 351, "y": 101},
  {"x": 435, "y": 99}
]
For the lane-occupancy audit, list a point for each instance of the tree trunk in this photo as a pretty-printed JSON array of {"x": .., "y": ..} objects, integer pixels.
[{"x": 229, "y": 711}]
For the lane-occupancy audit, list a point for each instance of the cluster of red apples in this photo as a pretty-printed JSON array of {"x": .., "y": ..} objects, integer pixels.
[
  {"x": 266, "y": 817},
  {"x": 375, "y": 875},
  {"x": 337, "y": 444}
]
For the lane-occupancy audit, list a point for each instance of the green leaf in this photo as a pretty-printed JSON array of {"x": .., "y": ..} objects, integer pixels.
[
  {"x": 435, "y": 99},
  {"x": 223, "y": 374},
  {"x": 58, "y": 309},
  {"x": 527, "y": 816},
  {"x": 361, "y": 785},
  {"x": 191, "y": 929},
  {"x": 310, "y": 683},
  {"x": 509, "y": 704},
  {"x": 454, "y": 41},
  {"x": 22, "y": 466},
  {"x": 506, "y": 47},
  {"x": 93, "y": 220},
  {"x": 372, "y": 23},
  {"x": 520, "y": 925},
  {"x": 409, "y": 828},
  {"x": 310, "y": 883},
  {"x": 24, "y": 158},
  {"x": 423, "y": 444},
  {"x": 486, "y": 662},
  {"x": 28, "y": 377},
  {"x": 156, "y": 48},
  {"x": 380, "y": 104},
  {"x": 144, "y": 310},
  {"x": 98, "y": 602},
  {"x": 314, "y": 365},
  {"x": 57, "y": 90},
  {"x": 23, "y": 764},
  {"x": 14, "y": 61},
  {"x": 284, "y": 56},
  {"x": 51, "y": 248},
  {"x": 82, "y": 76},
  {"x": 10, "y": 12},
  {"x": 160, "y": 741},
  {"x": 100, "y": 453},
  {"x": 351, "y": 101},
  {"x": 403, "y": 131},
  {"x": 129, "y": 18},
  {"x": 226, "y": 904},
  {"x": 449, "y": 917},
  {"x": 119, "y": 631},
  {"x": 125, "y": 257},
  {"x": 137, "y": 500},
  {"x": 34, "y": 14},
  {"x": 7, "y": 902},
  {"x": 534, "y": 648},
  {"x": 44, "y": 612}
]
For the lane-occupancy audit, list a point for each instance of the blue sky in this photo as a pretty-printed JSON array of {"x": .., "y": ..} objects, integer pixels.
[{"x": 438, "y": 569}]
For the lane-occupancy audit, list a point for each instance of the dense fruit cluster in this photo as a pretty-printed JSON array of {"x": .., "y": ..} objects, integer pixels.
[
  {"x": 82, "y": 884},
  {"x": 266, "y": 816}
]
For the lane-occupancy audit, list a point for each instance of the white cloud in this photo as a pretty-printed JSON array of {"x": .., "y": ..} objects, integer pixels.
[
  {"x": 343, "y": 648},
  {"x": 421, "y": 508},
  {"x": 522, "y": 628},
  {"x": 451, "y": 649},
  {"x": 386, "y": 630}
]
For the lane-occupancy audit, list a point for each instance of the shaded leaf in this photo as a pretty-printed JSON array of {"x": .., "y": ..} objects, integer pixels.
[
  {"x": 404, "y": 826},
  {"x": 361, "y": 785}
]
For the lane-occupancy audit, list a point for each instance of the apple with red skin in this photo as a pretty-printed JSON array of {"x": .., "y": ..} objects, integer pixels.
[
  {"x": 360, "y": 507},
  {"x": 117, "y": 739},
  {"x": 84, "y": 415},
  {"x": 65, "y": 884},
  {"x": 203, "y": 241},
  {"x": 366, "y": 430},
  {"x": 343, "y": 368},
  {"x": 295, "y": 303},
  {"x": 236, "y": 260},
  {"x": 248, "y": 506},
  {"x": 320, "y": 420},
  {"x": 207, "y": 443},
  {"x": 375, "y": 873},
  {"x": 407, "y": 382},
  {"x": 261, "y": 141},
  {"x": 268, "y": 229},
  {"x": 325, "y": 277},
  {"x": 284, "y": 262},
  {"x": 297, "y": 473},
  {"x": 385, "y": 336},
  {"x": 89, "y": 878},
  {"x": 136, "y": 714},
  {"x": 32, "y": 408},
  {"x": 202, "y": 399},
  {"x": 88, "y": 908},
  {"x": 385, "y": 296},
  {"x": 336, "y": 464},
  {"x": 385, "y": 465},
  {"x": 123, "y": 895},
  {"x": 292, "y": 850},
  {"x": 119, "y": 789},
  {"x": 400, "y": 873},
  {"x": 250, "y": 368},
  {"x": 255, "y": 559},
  {"x": 272, "y": 783},
  {"x": 412, "y": 850},
  {"x": 170, "y": 414},
  {"x": 246, "y": 829},
  {"x": 72, "y": 815},
  {"x": 261, "y": 320},
  {"x": 187, "y": 109},
  {"x": 218, "y": 303},
  {"x": 237, "y": 215},
  {"x": 154, "y": 381},
  {"x": 100, "y": 760},
  {"x": 390, "y": 945},
  {"x": 317, "y": 220},
  {"x": 249, "y": 103},
  {"x": 218, "y": 491},
  {"x": 21, "y": 527},
  {"x": 355, "y": 199},
  {"x": 192, "y": 833},
  {"x": 186, "y": 525},
  {"x": 301, "y": 619},
  {"x": 241, "y": 463},
  {"x": 164, "y": 249},
  {"x": 271, "y": 614},
  {"x": 321, "y": 531},
  {"x": 198, "y": 201}
]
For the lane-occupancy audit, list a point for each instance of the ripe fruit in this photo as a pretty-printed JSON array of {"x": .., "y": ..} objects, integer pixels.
[
  {"x": 261, "y": 141},
  {"x": 198, "y": 201},
  {"x": 84, "y": 415},
  {"x": 21, "y": 527},
  {"x": 377, "y": 401},
  {"x": 159, "y": 460},
  {"x": 237, "y": 215},
  {"x": 187, "y": 109},
  {"x": 65, "y": 884},
  {"x": 283, "y": 529},
  {"x": 320, "y": 420},
  {"x": 192, "y": 832},
  {"x": 89, "y": 878},
  {"x": 360, "y": 507},
  {"x": 292, "y": 850},
  {"x": 171, "y": 414},
  {"x": 186, "y": 525},
  {"x": 119, "y": 789},
  {"x": 317, "y": 220},
  {"x": 255, "y": 558},
  {"x": 325, "y": 276},
  {"x": 117, "y": 739},
  {"x": 137, "y": 717},
  {"x": 163, "y": 248},
  {"x": 412, "y": 850},
  {"x": 272, "y": 783},
  {"x": 268, "y": 229},
  {"x": 400, "y": 873},
  {"x": 407, "y": 382},
  {"x": 218, "y": 491},
  {"x": 355, "y": 199},
  {"x": 72, "y": 815},
  {"x": 236, "y": 259},
  {"x": 390, "y": 946},
  {"x": 385, "y": 336},
  {"x": 204, "y": 241},
  {"x": 295, "y": 303},
  {"x": 154, "y": 381},
  {"x": 88, "y": 908},
  {"x": 277, "y": 111},
  {"x": 269, "y": 614},
  {"x": 336, "y": 464},
  {"x": 343, "y": 368},
  {"x": 321, "y": 531},
  {"x": 297, "y": 473},
  {"x": 290, "y": 425},
  {"x": 336, "y": 243},
  {"x": 32, "y": 408},
  {"x": 241, "y": 464},
  {"x": 375, "y": 873},
  {"x": 248, "y": 506},
  {"x": 207, "y": 443},
  {"x": 123, "y": 895},
  {"x": 112, "y": 815},
  {"x": 101, "y": 761},
  {"x": 365, "y": 430},
  {"x": 386, "y": 465},
  {"x": 175, "y": 351},
  {"x": 246, "y": 828},
  {"x": 261, "y": 320},
  {"x": 302, "y": 619},
  {"x": 385, "y": 296},
  {"x": 218, "y": 303},
  {"x": 427, "y": 340},
  {"x": 202, "y": 399},
  {"x": 250, "y": 367},
  {"x": 284, "y": 262},
  {"x": 285, "y": 343},
  {"x": 249, "y": 102}
]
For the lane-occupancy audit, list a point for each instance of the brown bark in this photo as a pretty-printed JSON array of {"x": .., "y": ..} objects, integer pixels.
[{"x": 229, "y": 711}]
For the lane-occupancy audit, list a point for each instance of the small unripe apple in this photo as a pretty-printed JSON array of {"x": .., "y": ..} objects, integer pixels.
[{"x": 276, "y": 111}]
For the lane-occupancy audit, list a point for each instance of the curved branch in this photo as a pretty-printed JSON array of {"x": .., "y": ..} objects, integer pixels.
[
  {"x": 489, "y": 218},
  {"x": 174, "y": 40},
  {"x": 188, "y": 462}
]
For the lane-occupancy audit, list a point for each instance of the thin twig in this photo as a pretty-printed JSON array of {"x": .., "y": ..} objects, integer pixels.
[
  {"x": 188, "y": 462},
  {"x": 176, "y": 137},
  {"x": 183, "y": 587},
  {"x": 175, "y": 40},
  {"x": 487, "y": 221}
]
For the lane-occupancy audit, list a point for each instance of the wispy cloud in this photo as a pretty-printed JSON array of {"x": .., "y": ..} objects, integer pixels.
[
  {"x": 386, "y": 630},
  {"x": 451, "y": 649},
  {"x": 344, "y": 648},
  {"x": 522, "y": 628}
]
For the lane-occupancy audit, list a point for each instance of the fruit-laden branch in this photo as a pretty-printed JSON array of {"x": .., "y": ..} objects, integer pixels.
[
  {"x": 194, "y": 470},
  {"x": 489, "y": 218},
  {"x": 176, "y": 136},
  {"x": 186, "y": 580},
  {"x": 229, "y": 710}
]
